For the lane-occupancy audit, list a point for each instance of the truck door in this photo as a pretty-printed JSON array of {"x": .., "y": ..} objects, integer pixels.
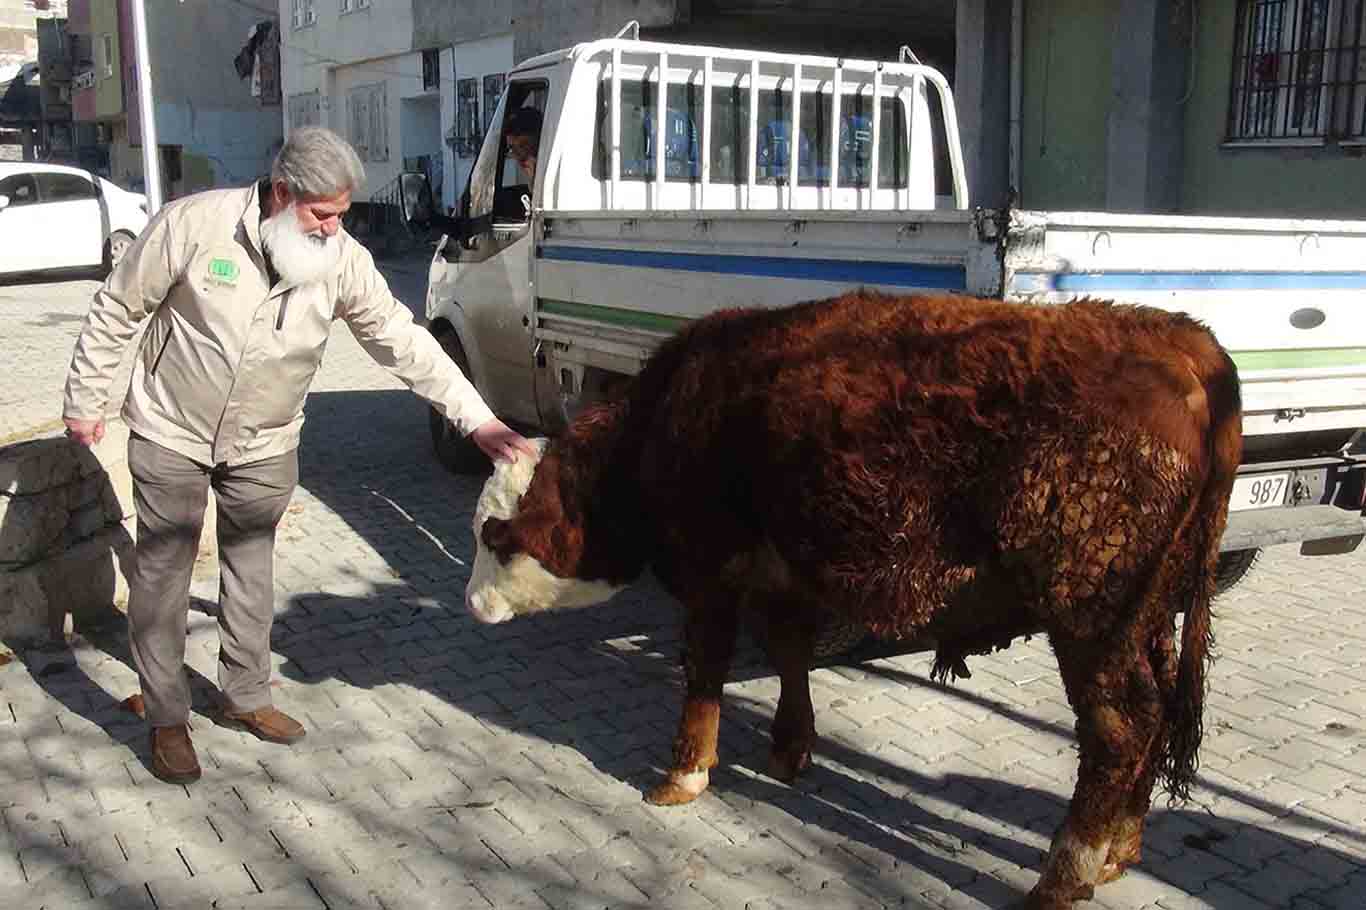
[{"x": 492, "y": 275}]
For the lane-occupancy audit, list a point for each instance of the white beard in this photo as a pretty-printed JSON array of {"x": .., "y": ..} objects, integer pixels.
[{"x": 299, "y": 258}]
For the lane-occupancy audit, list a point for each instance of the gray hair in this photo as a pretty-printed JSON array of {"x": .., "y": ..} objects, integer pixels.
[{"x": 316, "y": 163}]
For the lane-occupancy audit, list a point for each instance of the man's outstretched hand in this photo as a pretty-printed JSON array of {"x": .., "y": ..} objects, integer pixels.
[
  {"x": 500, "y": 443},
  {"x": 86, "y": 432}
]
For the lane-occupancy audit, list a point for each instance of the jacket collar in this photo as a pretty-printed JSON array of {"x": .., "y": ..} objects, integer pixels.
[{"x": 251, "y": 213}]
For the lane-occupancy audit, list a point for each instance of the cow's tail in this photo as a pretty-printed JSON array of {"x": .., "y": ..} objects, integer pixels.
[{"x": 1196, "y": 582}]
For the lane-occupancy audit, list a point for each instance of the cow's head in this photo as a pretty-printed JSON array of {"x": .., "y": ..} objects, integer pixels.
[{"x": 536, "y": 546}]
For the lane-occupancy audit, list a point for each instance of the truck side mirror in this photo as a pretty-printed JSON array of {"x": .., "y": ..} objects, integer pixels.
[{"x": 415, "y": 198}]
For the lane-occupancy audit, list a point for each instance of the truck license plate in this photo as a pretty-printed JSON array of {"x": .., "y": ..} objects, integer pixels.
[{"x": 1260, "y": 491}]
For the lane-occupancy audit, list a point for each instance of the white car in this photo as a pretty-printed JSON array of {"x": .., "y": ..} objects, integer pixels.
[{"x": 54, "y": 217}]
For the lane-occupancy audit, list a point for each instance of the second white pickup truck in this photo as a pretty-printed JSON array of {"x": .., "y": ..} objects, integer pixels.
[{"x": 673, "y": 180}]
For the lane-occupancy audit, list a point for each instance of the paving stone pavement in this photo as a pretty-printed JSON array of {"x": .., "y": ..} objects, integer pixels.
[{"x": 452, "y": 765}]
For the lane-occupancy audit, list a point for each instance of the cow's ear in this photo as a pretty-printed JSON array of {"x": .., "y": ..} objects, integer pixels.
[{"x": 497, "y": 535}]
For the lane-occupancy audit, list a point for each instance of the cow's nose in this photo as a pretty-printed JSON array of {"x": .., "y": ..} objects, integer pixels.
[{"x": 491, "y": 609}]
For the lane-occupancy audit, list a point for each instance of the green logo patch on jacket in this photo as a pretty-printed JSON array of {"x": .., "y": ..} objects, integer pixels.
[{"x": 223, "y": 272}]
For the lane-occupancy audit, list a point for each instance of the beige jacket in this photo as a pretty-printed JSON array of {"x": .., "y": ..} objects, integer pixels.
[{"x": 227, "y": 359}]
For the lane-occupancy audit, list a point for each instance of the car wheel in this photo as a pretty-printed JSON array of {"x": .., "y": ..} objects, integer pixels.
[
  {"x": 1233, "y": 568},
  {"x": 456, "y": 452},
  {"x": 115, "y": 248}
]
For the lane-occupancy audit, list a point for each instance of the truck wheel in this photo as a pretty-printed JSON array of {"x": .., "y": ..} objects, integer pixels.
[
  {"x": 1233, "y": 567},
  {"x": 456, "y": 452}
]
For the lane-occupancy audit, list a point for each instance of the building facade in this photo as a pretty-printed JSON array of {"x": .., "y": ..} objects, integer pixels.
[
  {"x": 351, "y": 65},
  {"x": 26, "y": 115},
  {"x": 1238, "y": 107},
  {"x": 19, "y": 30},
  {"x": 215, "y": 127}
]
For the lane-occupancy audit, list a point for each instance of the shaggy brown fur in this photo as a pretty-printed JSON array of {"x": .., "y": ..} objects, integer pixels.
[{"x": 966, "y": 469}]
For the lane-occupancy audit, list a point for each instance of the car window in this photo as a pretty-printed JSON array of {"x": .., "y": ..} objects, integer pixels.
[
  {"x": 20, "y": 189},
  {"x": 64, "y": 187}
]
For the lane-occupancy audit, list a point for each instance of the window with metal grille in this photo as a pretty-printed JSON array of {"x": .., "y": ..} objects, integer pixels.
[
  {"x": 368, "y": 116},
  {"x": 493, "y": 90},
  {"x": 431, "y": 70},
  {"x": 467, "y": 134},
  {"x": 1299, "y": 71},
  {"x": 305, "y": 109},
  {"x": 303, "y": 14}
]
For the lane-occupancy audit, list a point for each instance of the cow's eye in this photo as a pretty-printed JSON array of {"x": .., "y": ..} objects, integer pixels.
[{"x": 497, "y": 535}]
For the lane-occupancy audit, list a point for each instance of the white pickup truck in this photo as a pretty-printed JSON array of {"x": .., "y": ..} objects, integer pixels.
[{"x": 550, "y": 289}]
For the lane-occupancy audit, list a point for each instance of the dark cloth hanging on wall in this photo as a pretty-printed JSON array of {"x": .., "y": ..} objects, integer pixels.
[{"x": 259, "y": 60}]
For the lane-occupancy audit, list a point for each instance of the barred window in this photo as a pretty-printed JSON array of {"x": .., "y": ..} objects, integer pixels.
[
  {"x": 468, "y": 135},
  {"x": 367, "y": 108},
  {"x": 1299, "y": 71},
  {"x": 305, "y": 109},
  {"x": 493, "y": 90}
]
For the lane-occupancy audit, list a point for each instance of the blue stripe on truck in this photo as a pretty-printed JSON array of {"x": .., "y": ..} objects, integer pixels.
[
  {"x": 1109, "y": 282},
  {"x": 899, "y": 274}
]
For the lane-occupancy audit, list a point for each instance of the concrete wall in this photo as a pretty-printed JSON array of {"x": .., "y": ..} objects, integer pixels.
[
  {"x": 1144, "y": 142},
  {"x": 227, "y": 137},
  {"x": 67, "y": 530},
  {"x": 104, "y": 20},
  {"x": 1066, "y": 104},
  {"x": 1324, "y": 181},
  {"x": 537, "y": 26},
  {"x": 981, "y": 89}
]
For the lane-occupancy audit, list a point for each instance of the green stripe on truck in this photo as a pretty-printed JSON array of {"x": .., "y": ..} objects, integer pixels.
[
  {"x": 1299, "y": 359},
  {"x": 634, "y": 319}
]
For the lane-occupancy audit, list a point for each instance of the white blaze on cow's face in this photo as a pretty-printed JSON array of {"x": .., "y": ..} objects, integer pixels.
[{"x": 496, "y": 591}]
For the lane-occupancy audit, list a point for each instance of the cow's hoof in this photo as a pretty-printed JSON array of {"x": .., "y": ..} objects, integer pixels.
[
  {"x": 669, "y": 794},
  {"x": 1054, "y": 898},
  {"x": 1111, "y": 871},
  {"x": 680, "y": 788},
  {"x": 786, "y": 765}
]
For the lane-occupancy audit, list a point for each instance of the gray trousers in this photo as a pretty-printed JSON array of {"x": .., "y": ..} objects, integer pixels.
[{"x": 170, "y": 493}]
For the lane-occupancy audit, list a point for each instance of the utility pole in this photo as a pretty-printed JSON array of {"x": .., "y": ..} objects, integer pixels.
[{"x": 151, "y": 161}]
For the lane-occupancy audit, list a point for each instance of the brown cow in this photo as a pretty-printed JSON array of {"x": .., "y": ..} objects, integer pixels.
[{"x": 959, "y": 468}]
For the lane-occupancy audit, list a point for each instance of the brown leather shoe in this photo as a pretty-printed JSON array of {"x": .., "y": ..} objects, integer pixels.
[
  {"x": 173, "y": 758},
  {"x": 268, "y": 723}
]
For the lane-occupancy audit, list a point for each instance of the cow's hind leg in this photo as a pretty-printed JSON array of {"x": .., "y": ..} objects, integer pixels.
[
  {"x": 791, "y": 643},
  {"x": 1126, "y": 849},
  {"x": 710, "y": 637},
  {"x": 1119, "y": 722}
]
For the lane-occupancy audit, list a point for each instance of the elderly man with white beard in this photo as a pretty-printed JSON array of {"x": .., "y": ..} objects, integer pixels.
[{"x": 241, "y": 287}]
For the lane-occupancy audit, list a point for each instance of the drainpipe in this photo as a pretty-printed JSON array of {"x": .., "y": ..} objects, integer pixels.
[
  {"x": 1016, "y": 92},
  {"x": 151, "y": 161}
]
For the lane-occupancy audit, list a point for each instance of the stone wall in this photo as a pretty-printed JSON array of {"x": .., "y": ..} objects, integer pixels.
[{"x": 67, "y": 528}]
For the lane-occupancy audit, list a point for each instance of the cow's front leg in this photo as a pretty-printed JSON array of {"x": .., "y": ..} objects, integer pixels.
[
  {"x": 710, "y": 635},
  {"x": 791, "y": 643}
]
